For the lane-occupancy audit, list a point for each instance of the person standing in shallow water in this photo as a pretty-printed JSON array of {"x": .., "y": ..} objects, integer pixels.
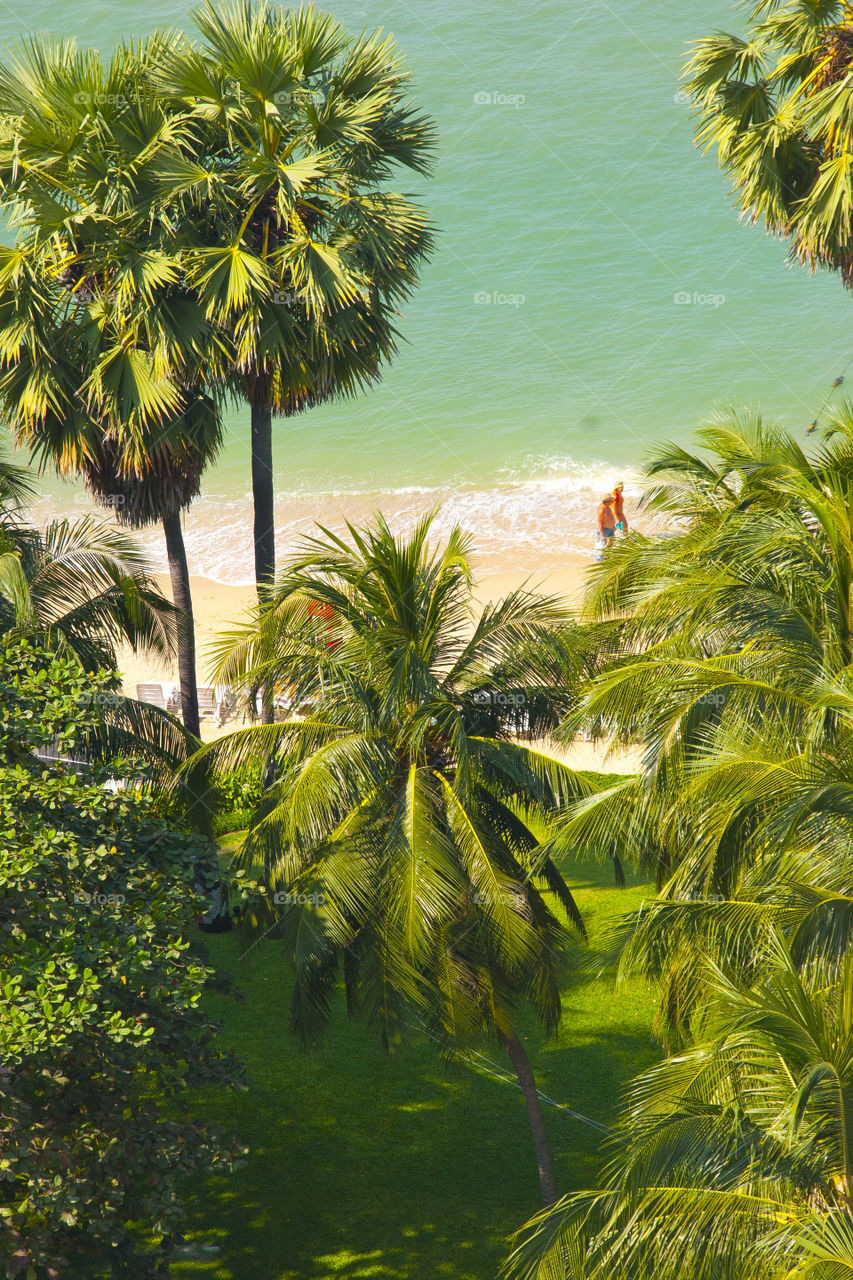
[
  {"x": 618, "y": 508},
  {"x": 606, "y": 518}
]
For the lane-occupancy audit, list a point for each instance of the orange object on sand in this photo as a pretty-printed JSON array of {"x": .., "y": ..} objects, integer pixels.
[{"x": 322, "y": 611}]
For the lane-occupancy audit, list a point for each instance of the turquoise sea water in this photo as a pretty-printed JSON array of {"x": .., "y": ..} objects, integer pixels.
[{"x": 545, "y": 347}]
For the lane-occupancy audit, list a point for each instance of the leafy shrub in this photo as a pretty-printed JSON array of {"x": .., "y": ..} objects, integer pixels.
[
  {"x": 239, "y": 790},
  {"x": 102, "y": 1032},
  {"x": 235, "y": 820}
]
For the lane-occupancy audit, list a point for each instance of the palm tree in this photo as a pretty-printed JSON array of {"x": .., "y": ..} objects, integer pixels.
[
  {"x": 725, "y": 651},
  {"x": 102, "y": 345},
  {"x": 776, "y": 105},
  {"x": 83, "y": 587},
  {"x": 86, "y": 585},
  {"x": 296, "y": 248},
  {"x": 733, "y": 1159},
  {"x": 394, "y": 838},
  {"x": 80, "y": 582}
]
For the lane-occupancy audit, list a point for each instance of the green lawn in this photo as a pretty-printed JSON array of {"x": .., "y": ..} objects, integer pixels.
[{"x": 361, "y": 1166}]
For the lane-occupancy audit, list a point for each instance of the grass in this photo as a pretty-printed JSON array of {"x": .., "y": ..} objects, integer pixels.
[{"x": 361, "y": 1166}]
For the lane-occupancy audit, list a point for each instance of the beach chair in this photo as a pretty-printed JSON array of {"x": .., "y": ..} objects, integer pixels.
[
  {"x": 216, "y": 701},
  {"x": 282, "y": 702},
  {"x": 165, "y": 696},
  {"x": 206, "y": 701},
  {"x": 151, "y": 692}
]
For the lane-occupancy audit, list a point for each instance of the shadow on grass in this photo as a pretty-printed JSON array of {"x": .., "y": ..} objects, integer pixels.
[
  {"x": 361, "y": 1166},
  {"x": 429, "y": 1179}
]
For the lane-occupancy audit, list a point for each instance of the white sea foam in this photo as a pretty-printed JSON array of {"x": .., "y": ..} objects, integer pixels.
[{"x": 534, "y": 524}]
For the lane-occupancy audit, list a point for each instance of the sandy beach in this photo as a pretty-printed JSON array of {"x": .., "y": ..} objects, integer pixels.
[{"x": 219, "y": 606}]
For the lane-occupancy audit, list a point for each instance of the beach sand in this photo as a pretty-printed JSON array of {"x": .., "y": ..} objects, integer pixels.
[{"x": 218, "y": 607}]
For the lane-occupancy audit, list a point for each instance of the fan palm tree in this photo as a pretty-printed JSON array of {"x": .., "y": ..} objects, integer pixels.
[
  {"x": 733, "y": 1159},
  {"x": 394, "y": 838},
  {"x": 776, "y": 103},
  {"x": 102, "y": 345},
  {"x": 278, "y": 192}
]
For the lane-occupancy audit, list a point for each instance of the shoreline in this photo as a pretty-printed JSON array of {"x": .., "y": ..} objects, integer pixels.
[{"x": 534, "y": 529}]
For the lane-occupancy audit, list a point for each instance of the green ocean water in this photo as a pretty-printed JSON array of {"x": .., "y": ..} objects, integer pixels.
[{"x": 546, "y": 345}]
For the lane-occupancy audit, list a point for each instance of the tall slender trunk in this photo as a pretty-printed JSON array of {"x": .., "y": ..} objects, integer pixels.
[
  {"x": 180, "y": 575},
  {"x": 263, "y": 493},
  {"x": 527, "y": 1080}
]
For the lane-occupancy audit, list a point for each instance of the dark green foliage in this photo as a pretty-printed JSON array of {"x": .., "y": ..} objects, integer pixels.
[
  {"x": 369, "y": 1168},
  {"x": 725, "y": 650},
  {"x": 237, "y": 794},
  {"x": 101, "y": 1030}
]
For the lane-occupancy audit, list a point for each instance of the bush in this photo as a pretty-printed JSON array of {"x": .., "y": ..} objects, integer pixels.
[
  {"x": 238, "y": 790},
  {"x": 237, "y": 795},
  {"x": 236, "y": 820},
  {"x": 102, "y": 1032}
]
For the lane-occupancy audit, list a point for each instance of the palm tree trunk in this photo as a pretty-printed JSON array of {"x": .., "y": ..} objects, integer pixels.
[
  {"x": 527, "y": 1080},
  {"x": 180, "y": 575},
  {"x": 263, "y": 493}
]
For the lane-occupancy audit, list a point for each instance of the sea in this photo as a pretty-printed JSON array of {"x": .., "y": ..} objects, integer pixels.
[{"x": 592, "y": 294}]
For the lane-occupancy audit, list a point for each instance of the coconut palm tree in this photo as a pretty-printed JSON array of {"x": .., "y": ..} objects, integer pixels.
[
  {"x": 394, "y": 838},
  {"x": 85, "y": 584},
  {"x": 84, "y": 587},
  {"x": 732, "y": 1159},
  {"x": 279, "y": 194},
  {"x": 101, "y": 343},
  {"x": 79, "y": 581},
  {"x": 724, "y": 649},
  {"x": 775, "y": 103}
]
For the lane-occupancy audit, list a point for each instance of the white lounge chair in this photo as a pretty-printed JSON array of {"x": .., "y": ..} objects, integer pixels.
[
  {"x": 216, "y": 701},
  {"x": 151, "y": 692},
  {"x": 206, "y": 701},
  {"x": 165, "y": 696}
]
